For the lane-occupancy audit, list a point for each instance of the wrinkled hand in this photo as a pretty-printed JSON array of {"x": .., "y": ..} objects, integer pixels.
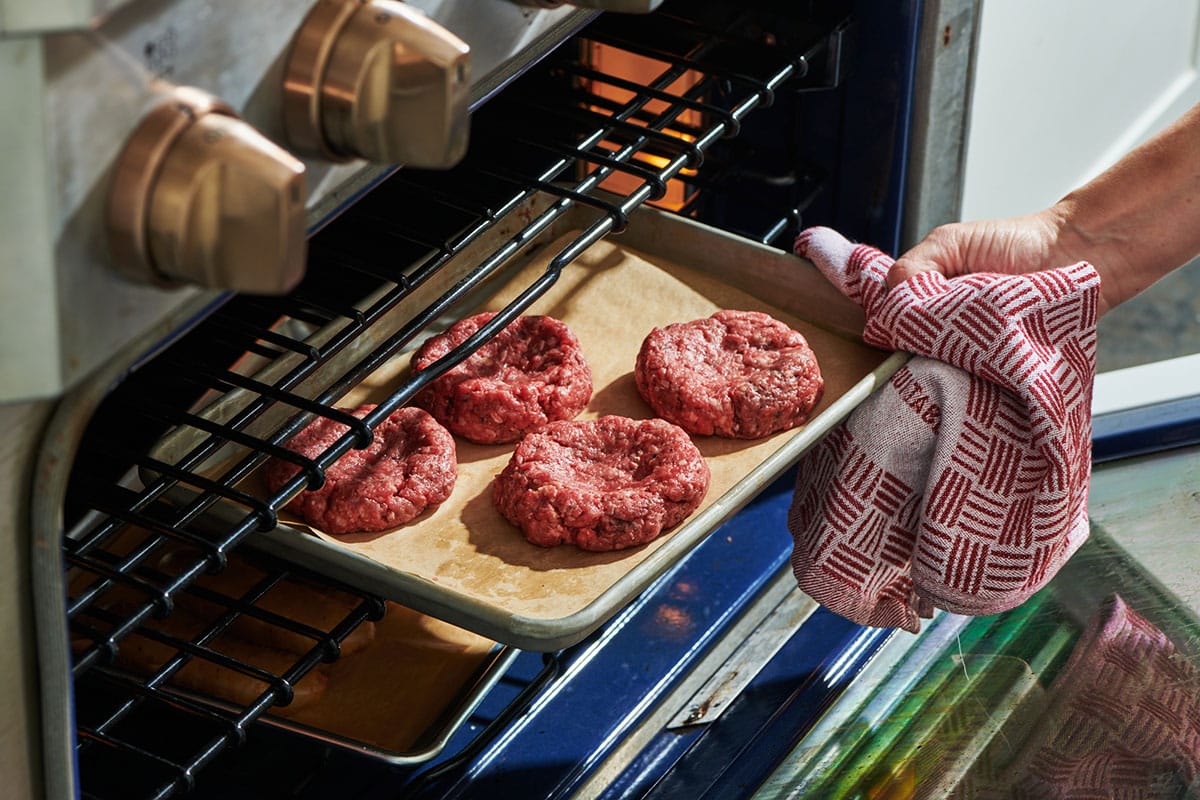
[{"x": 1012, "y": 246}]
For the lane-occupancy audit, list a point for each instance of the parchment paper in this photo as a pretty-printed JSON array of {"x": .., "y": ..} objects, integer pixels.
[
  {"x": 390, "y": 695},
  {"x": 427, "y": 666},
  {"x": 611, "y": 297}
]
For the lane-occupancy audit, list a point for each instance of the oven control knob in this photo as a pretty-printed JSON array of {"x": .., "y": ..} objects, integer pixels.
[
  {"x": 199, "y": 196},
  {"x": 379, "y": 80},
  {"x": 623, "y": 6}
]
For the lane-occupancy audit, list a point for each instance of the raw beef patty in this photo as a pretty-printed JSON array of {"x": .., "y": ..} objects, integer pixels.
[
  {"x": 603, "y": 484},
  {"x": 737, "y": 374},
  {"x": 530, "y": 373},
  {"x": 410, "y": 465}
]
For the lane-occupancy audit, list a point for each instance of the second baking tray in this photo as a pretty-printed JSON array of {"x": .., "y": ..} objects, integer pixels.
[
  {"x": 465, "y": 564},
  {"x": 402, "y": 701}
]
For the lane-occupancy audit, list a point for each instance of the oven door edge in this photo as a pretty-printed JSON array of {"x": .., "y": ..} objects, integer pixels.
[
  {"x": 54, "y": 461},
  {"x": 942, "y": 86},
  {"x": 20, "y": 745}
]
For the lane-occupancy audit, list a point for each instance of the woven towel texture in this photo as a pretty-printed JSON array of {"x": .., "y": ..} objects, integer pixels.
[
  {"x": 1123, "y": 719},
  {"x": 962, "y": 483}
]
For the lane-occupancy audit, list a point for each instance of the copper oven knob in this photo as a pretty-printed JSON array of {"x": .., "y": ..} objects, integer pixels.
[
  {"x": 379, "y": 80},
  {"x": 198, "y": 196}
]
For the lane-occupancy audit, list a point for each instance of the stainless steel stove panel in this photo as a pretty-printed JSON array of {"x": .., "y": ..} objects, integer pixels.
[{"x": 81, "y": 93}]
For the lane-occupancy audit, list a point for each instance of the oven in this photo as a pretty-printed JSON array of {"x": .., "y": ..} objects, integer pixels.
[{"x": 244, "y": 219}]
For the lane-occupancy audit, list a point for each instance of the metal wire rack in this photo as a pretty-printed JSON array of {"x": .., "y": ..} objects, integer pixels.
[{"x": 142, "y": 541}]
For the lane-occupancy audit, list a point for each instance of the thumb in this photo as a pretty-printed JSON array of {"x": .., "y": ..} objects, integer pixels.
[
  {"x": 906, "y": 267},
  {"x": 942, "y": 250}
]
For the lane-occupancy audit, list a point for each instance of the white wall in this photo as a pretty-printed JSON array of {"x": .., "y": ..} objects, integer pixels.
[{"x": 1064, "y": 87}]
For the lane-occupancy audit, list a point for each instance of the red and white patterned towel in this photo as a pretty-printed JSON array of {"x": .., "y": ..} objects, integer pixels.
[
  {"x": 962, "y": 483},
  {"x": 1123, "y": 720}
]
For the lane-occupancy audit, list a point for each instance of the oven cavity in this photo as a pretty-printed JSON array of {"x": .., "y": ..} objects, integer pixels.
[{"x": 165, "y": 500}]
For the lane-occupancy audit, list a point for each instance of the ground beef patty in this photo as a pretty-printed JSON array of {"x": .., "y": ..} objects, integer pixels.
[
  {"x": 410, "y": 466},
  {"x": 532, "y": 372},
  {"x": 603, "y": 484},
  {"x": 738, "y": 374}
]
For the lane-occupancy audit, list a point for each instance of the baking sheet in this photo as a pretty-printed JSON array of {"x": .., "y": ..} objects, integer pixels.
[
  {"x": 464, "y": 563},
  {"x": 399, "y": 699},
  {"x": 402, "y": 698}
]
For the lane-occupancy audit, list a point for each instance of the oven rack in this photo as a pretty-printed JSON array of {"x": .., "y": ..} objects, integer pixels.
[{"x": 553, "y": 136}]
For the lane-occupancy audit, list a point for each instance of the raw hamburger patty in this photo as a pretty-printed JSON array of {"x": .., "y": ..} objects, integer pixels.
[
  {"x": 737, "y": 374},
  {"x": 532, "y": 372},
  {"x": 603, "y": 484},
  {"x": 410, "y": 466}
]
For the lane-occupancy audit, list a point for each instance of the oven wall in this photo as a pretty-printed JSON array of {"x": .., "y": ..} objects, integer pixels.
[{"x": 20, "y": 756}]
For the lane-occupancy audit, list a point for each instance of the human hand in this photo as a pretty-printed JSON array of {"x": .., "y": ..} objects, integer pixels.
[{"x": 1011, "y": 246}]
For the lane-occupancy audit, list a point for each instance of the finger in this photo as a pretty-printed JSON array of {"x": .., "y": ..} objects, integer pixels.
[{"x": 906, "y": 268}]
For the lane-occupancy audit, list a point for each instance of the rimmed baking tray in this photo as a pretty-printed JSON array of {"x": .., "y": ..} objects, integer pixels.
[
  {"x": 436, "y": 674},
  {"x": 402, "y": 699},
  {"x": 462, "y": 562}
]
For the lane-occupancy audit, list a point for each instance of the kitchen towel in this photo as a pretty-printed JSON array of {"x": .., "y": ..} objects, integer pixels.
[
  {"x": 1123, "y": 720},
  {"x": 961, "y": 484}
]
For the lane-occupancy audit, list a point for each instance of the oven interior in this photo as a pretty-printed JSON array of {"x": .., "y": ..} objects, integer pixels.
[{"x": 756, "y": 118}]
